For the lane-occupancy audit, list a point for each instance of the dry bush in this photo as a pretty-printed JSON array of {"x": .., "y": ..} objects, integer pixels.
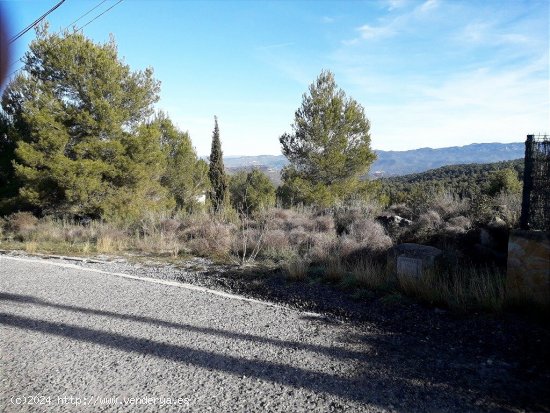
[
  {"x": 276, "y": 240},
  {"x": 79, "y": 233},
  {"x": 346, "y": 215},
  {"x": 322, "y": 246},
  {"x": 301, "y": 221},
  {"x": 170, "y": 226},
  {"x": 207, "y": 237},
  {"x": 370, "y": 235},
  {"x": 347, "y": 246},
  {"x": 248, "y": 241},
  {"x": 298, "y": 237},
  {"x": 448, "y": 205},
  {"x": 460, "y": 221},
  {"x": 48, "y": 230},
  {"x": 508, "y": 206},
  {"x": 401, "y": 210},
  {"x": 457, "y": 225},
  {"x": 21, "y": 224},
  {"x": 160, "y": 243},
  {"x": 324, "y": 223},
  {"x": 111, "y": 240},
  {"x": 427, "y": 224}
]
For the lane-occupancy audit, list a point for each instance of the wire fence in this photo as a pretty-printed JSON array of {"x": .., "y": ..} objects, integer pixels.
[{"x": 535, "y": 206}]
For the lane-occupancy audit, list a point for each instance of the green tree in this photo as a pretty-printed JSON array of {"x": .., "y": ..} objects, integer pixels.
[
  {"x": 329, "y": 149},
  {"x": 8, "y": 182},
  {"x": 80, "y": 122},
  {"x": 186, "y": 176},
  {"x": 216, "y": 171},
  {"x": 503, "y": 180},
  {"x": 251, "y": 191}
]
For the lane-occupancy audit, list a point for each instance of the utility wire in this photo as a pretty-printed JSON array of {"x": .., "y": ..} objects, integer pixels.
[
  {"x": 34, "y": 23},
  {"x": 101, "y": 14},
  {"x": 85, "y": 14}
]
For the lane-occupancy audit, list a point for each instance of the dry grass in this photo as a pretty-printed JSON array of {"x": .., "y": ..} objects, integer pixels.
[
  {"x": 463, "y": 288},
  {"x": 31, "y": 246},
  {"x": 296, "y": 268},
  {"x": 334, "y": 270},
  {"x": 372, "y": 275}
]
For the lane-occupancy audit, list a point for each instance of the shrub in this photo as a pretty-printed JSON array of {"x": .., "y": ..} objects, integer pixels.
[
  {"x": 251, "y": 191},
  {"x": 206, "y": 236},
  {"x": 370, "y": 235},
  {"x": 448, "y": 205},
  {"x": 276, "y": 240},
  {"x": 298, "y": 237},
  {"x": 324, "y": 223},
  {"x": 508, "y": 207},
  {"x": 322, "y": 246},
  {"x": 21, "y": 224}
]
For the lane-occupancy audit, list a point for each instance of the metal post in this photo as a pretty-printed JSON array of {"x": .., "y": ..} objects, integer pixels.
[{"x": 527, "y": 183}]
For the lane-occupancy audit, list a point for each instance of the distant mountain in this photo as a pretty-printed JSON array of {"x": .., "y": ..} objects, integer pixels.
[{"x": 396, "y": 163}]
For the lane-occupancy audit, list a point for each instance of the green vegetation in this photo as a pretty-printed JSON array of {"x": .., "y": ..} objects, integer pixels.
[
  {"x": 186, "y": 176},
  {"x": 251, "y": 191},
  {"x": 329, "y": 149},
  {"x": 216, "y": 172},
  {"x": 465, "y": 181}
]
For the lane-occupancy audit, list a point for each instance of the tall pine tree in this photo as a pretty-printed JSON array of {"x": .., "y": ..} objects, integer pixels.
[
  {"x": 216, "y": 171},
  {"x": 329, "y": 149},
  {"x": 79, "y": 118}
]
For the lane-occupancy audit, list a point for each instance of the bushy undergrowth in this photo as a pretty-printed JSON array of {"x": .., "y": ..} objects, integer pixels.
[{"x": 344, "y": 245}]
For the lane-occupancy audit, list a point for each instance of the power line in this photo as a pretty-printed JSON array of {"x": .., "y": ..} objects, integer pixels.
[
  {"x": 85, "y": 14},
  {"x": 99, "y": 15},
  {"x": 34, "y": 23}
]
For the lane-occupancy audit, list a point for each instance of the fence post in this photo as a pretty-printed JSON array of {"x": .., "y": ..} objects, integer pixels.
[{"x": 527, "y": 183}]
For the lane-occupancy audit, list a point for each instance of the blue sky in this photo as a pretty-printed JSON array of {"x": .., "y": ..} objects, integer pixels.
[{"x": 428, "y": 73}]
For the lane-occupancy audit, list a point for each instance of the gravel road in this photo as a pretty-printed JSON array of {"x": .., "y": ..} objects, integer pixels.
[{"x": 75, "y": 339}]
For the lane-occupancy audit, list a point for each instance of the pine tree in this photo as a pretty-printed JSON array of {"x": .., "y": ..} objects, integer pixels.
[
  {"x": 186, "y": 175},
  {"x": 216, "y": 171},
  {"x": 329, "y": 149},
  {"x": 80, "y": 118}
]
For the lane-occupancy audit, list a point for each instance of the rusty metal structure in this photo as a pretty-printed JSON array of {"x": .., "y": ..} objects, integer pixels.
[{"x": 535, "y": 205}]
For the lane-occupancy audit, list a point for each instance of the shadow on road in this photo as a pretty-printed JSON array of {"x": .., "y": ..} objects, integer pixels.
[{"x": 391, "y": 374}]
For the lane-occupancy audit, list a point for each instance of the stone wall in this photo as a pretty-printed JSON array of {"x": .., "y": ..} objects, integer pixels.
[{"x": 528, "y": 275}]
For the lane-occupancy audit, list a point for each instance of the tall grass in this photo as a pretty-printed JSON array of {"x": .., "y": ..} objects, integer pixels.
[{"x": 462, "y": 288}]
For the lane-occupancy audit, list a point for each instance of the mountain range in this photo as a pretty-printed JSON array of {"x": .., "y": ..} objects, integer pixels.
[{"x": 396, "y": 163}]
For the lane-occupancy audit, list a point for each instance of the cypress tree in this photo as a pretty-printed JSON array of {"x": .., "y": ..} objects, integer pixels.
[{"x": 216, "y": 171}]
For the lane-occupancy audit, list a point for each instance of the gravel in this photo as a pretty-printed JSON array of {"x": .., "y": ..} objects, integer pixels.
[{"x": 72, "y": 332}]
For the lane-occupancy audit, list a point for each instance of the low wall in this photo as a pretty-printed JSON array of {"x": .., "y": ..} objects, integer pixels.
[{"x": 528, "y": 275}]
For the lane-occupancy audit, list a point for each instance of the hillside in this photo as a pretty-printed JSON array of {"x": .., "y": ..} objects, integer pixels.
[
  {"x": 395, "y": 163},
  {"x": 463, "y": 179}
]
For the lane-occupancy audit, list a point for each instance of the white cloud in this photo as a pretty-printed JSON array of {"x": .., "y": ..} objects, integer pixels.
[
  {"x": 396, "y": 4},
  {"x": 371, "y": 32},
  {"x": 428, "y": 5},
  {"x": 477, "y": 106},
  {"x": 488, "y": 33}
]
